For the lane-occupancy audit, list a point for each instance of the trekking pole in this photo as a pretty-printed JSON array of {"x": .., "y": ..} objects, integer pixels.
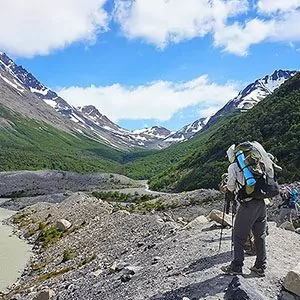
[
  {"x": 222, "y": 225},
  {"x": 234, "y": 205}
]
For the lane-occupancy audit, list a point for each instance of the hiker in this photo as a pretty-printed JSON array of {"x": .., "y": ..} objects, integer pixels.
[
  {"x": 230, "y": 200},
  {"x": 251, "y": 214},
  {"x": 289, "y": 205}
]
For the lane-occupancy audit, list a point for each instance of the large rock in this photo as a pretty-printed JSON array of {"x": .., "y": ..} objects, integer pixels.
[
  {"x": 287, "y": 226},
  {"x": 217, "y": 215},
  {"x": 285, "y": 295},
  {"x": 63, "y": 225},
  {"x": 239, "y": 289},
  {"x": 292, "y": 281},
  {"x": 46, "y": 294},
  {"x": 198, "y": 222}
]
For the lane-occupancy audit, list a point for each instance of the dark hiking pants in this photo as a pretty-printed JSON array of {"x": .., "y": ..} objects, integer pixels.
[{"x": 250, "y": 215}]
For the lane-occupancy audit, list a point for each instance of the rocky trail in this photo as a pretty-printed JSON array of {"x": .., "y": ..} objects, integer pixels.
[{"x": 86, "y": 248}]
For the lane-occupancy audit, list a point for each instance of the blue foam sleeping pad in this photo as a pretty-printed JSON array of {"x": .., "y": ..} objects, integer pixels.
[{"x": 247, "y": 173}]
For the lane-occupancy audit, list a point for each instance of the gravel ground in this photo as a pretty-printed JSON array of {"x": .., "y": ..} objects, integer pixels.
[
  {"x": 34, "y": 183},
  {"x": 133, "y": 256}
]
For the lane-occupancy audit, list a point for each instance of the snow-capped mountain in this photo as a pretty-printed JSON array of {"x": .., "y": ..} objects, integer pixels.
[
  {"x": 254, "y": 93},
  {"x": 86, "y": 120},
  {"x": 90, "y": 122},
  {"x": 186, "y": 132}
]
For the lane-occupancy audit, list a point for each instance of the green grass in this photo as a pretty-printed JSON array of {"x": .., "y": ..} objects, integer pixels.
[
  {"x": 32, "y": 145},
  {"x": 68, "y": 254}
]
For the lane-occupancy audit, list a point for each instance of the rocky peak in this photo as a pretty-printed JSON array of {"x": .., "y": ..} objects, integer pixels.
[
  {"x": 91, "y": 110},
  {"x": 254, "y": 93},
  {"x": 187, "y": 131},
  {"x": 158, "y": 131},
  {"x": 26, "y": 78}
]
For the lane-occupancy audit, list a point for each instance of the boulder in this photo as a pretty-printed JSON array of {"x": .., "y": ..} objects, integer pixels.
[
  {"x": 292, "y": 281},
  {"x": 46, "y": 294},
  {"x": 97, "y": 272},
  {"x": 287, "y": 226},
  {"x": 199, "y": 221},
  {"x": 217, "y": 215},
  {"x": 63, "y": 224},
  {"x": 113, "y": 267},
  {"x": 240, "y": 289},
  {"x": 285, "y": 295}
]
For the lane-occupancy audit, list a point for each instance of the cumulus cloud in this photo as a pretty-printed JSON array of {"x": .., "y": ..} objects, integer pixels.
[
  {"x": 163, "y": 22},
  {"x": 272, "y": 6},
  {"x": 29, "y": 28},
  {"x": 238, "y": 38},
  {"x": 35, "y": 27},
  {"x": 158, "y": 100},
  {"x": 172, "y": 21}
]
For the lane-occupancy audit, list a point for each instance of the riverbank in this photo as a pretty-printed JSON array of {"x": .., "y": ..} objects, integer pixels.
[{"x": 14, "y": 253}]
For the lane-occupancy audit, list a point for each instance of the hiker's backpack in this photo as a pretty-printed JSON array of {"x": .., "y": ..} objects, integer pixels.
[
  {"x": 293, "y": 197},
  {"x": 262, "y": 183}
]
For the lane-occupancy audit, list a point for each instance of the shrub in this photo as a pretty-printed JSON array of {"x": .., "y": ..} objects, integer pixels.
[{"x": 68, "y": 254}]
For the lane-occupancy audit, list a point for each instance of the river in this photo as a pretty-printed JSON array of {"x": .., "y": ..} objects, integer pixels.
[{"x": 14, "y": 253}]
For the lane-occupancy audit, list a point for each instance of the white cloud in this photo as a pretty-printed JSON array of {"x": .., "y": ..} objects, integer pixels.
[
  {"x": 158, "y": 100},
  {"x": 172, "y": 21},
  {"x": 238, "y": 38},
  {"x": 162, "y": 22},
  {"x": 273, "y": 6},
  {"x": 35, "y": 27},
  {"x": 287, "y": 28}
]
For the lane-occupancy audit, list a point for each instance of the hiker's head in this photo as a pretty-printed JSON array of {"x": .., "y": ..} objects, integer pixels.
[{"x": 230, "y": 153}]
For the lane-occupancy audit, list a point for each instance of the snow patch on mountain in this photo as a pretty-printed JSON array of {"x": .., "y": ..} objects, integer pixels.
[
  {"x": 261, "y": 88},
  {"x": 15, "y": 85},
  {"x": 253, "y": 94},
  {"x": 186, "y": 132}
]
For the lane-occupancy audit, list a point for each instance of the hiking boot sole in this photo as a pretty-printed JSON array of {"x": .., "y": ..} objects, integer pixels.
[
  {"x": 258, "y": 272},
  {"x": 228, "y": 271}
]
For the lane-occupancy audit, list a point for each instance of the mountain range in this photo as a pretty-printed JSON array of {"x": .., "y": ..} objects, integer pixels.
[
  {"x": 40, "y": 130},
  {"x": 88, "y": 121}
]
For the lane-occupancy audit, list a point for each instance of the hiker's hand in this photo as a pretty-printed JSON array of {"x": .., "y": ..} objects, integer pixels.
[{"x": 224, "y": 188}]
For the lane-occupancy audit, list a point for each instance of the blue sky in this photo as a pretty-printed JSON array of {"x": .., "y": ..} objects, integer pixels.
[{"x": 158, "y": 62}]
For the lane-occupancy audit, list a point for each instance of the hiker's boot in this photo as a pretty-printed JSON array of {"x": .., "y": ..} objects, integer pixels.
[
  {"x": 231, "y": 270},
  {"x": 260, "y": 271}
]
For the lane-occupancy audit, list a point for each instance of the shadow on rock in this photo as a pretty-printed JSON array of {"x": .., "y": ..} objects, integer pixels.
[
  {"x": 208, "y": 262},
  {"x": 198, "y": 290}
]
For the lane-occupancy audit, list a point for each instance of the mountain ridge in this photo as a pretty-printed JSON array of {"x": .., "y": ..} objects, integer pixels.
[
  {"x": 90, "y": 122},
  {"x": 101, "y": 128},
  {"x": 274, "y": 122},
  {"x": 253, "y": 93}
]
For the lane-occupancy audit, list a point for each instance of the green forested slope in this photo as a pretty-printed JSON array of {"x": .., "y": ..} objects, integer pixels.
[
  {"x": 146, "y": 164},
  {"x": 31, "y": 145},
  {"x": 275, "y": 122}
]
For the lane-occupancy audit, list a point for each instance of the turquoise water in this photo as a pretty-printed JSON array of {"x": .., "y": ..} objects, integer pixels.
[{"x": 14, "y": 253}]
